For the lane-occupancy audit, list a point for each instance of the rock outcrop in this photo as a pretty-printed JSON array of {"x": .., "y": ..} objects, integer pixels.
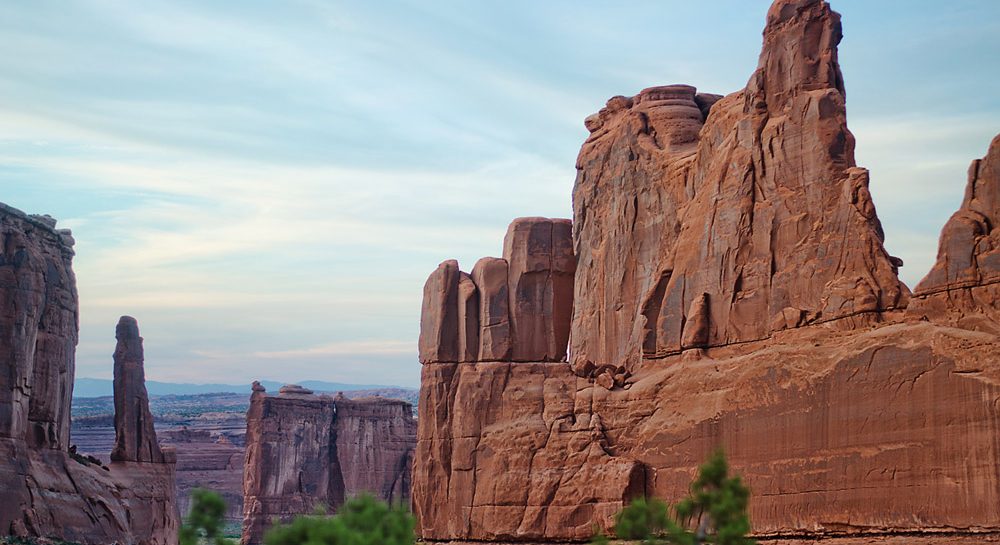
[
  {"x": 731, "y": 289},
  {"x": 305, "y": 451},
  {"x": 964, "y": 285},
  {"x": 38, "y": 329},
  {"x": 209, "y": 459},
  {"x": 512, "y": 309},
  {"x": 48, "y": 490},
  {"x": 758, "y": 207},
  {"x": 135, "y": 438}
]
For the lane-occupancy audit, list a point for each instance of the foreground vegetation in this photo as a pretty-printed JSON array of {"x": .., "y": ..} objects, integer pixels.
[
  {"x": 205, "y": 523},
  {"x": 363, "y": 520},
  {"x": 715, "y": 511}
]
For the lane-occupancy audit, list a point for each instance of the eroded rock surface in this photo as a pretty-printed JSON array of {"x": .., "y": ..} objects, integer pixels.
[
  {"x": 47, "y": 490},
  {"x": 731, "y": 289},
  {"x": 306, "y": 450},
  {"x": 758, "y": 204},
  {"x": 964, "y": 285},
  {"x": 517, "y": 308}
]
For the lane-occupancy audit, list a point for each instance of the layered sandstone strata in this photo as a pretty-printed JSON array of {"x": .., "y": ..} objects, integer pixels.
[
  {"x": 731, "y": 289},
  {"x": 306, "y": 451},
  {"x": 48, "y": 491}
]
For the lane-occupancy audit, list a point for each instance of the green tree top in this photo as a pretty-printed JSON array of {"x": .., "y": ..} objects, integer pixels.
[
  {"x": 204, "y": 524},
  {"x": 715, "y": 511},
  {"x": 362, "y": 520}
]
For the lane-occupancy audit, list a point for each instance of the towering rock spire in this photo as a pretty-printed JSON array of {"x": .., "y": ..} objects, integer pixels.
[
  {"x": 749, "y": 209},
  {"x": 135, "y": 438}
]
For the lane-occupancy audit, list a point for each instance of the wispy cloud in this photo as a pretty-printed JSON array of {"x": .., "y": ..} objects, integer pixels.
[
  {"x": 267, "y": 187},
  {"x": 346, "y": 348}
]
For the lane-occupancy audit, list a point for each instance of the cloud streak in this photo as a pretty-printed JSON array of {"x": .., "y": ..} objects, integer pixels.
[{"x": 266, "y": 188}]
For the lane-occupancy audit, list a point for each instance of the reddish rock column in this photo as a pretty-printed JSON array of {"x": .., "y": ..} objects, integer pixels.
[
  {"x": 135, "y": 438},
  {"x": 490, "y": 277},
  {"x": 439, "y": 315},
  {"x": 539, "y": 254}
]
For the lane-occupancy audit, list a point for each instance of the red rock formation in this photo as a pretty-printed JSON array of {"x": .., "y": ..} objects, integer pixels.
[
  {"x": 964, "y": 285},
  {"x": 135, "y": 438},
  {"x": 207, "y": 459},
  {"x": 374, "y": 440},
  {"x": 489, "y": 275},
  {"x": 669, "y": 206},
  {"x": 540, "y": 261},
  {"x": 305, "y": 450},
  {"x": 731, "y": 289},
  {"x": 38, "y": 329},
  {"x": 47, "y": 490},
  {"x": 517, "y": 308}
]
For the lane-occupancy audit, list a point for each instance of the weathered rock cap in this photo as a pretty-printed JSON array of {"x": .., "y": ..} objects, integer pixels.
[
  {"x": 294, "y": 390},
  {"x": 127, "y": 328}
]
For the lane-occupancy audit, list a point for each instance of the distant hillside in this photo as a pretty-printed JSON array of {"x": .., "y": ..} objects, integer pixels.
[{"x": 98, "y": 387}]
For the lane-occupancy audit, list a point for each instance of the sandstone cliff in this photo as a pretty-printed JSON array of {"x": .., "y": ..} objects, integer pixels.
[
  {"x": 731, "y": 289},
  {"x": 47, "y": 490},
  {"x": 305, "y": 451}
]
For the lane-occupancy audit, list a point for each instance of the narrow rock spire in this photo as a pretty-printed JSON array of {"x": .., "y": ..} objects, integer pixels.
[{"x": 135, "y": 438}]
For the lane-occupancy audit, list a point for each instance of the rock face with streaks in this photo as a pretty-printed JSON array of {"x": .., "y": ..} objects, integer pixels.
[
  {"x": 731, "y": 289},
  {"x": 749, "y": 209},
  {"x": 306, "y": 450},
  {"x": 48, "y": 490},
  {"x": 511, "y": 309},
  {"x": 212, "y": 460}
]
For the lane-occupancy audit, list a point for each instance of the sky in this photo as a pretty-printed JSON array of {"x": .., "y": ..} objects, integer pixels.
[{"x": 265, "y": 185}]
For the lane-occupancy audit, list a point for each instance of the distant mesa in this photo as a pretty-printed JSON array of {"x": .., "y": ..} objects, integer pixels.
[
  {"x": 95, "y": 387},
  {"x": 305, "y": 450},
  {"x": 294, "y": 389}
]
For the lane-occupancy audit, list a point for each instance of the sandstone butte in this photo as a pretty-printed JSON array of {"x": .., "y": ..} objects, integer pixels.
[
  {"x": 306, "y": 451},
  {"x": 46, "y": 489},
  {"x": 723, "y": 283}
]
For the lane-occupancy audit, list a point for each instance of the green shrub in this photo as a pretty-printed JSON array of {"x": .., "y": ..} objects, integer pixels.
[
  {"x": 714, "y": 512},
  {"x": 204, "y": 524},
  {"x": 360, "y": 521}
]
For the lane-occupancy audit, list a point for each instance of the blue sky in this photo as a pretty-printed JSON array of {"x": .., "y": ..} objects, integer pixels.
[{"x": 266, "y": 186}]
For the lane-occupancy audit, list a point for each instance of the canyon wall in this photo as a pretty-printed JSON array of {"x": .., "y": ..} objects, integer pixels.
[
  {"x": 306, "y": 451},
  {"x": 49, "y": 490},
  {"x": 209, "y": 458},
  {"x": 730, "y": 289}
]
